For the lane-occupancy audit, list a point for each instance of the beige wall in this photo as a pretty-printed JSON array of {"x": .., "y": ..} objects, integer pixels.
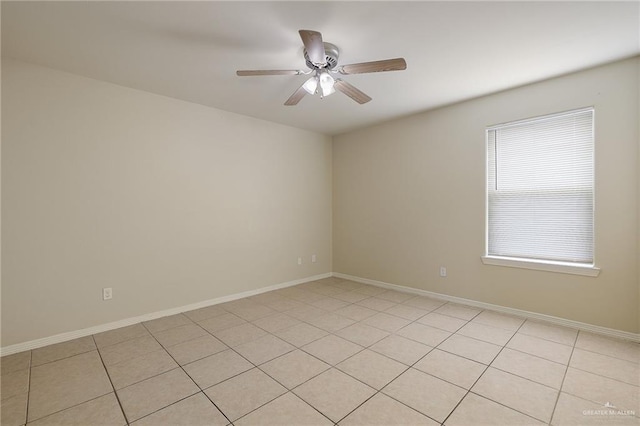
[
  {"x": 172, "y": 203},
  {"x": 169, "y": 203},
  {"x": 409, "y": 196}
]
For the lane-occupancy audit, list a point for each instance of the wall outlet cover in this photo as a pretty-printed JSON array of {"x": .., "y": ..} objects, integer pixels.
[{"x": 107, "y": 293}]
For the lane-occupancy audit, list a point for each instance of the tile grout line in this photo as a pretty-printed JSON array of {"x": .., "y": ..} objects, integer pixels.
[
  {"x": 330, "y": 333},
  {"x": 257, "y": 366},
  {"x": 67, "y": 356},
  {"x": 26, "y": 411},
  {"x": 521, "y": 377},
  {"x": 485, "y": 370},
  {"x": 65, "y": 409},
  {"x": 236, "y": 375},
  {"x": 566, "y": 370},
  {"x": 75, "y": 405},
  {"x": 481, "y": 374},
  {"x": 605, "y": 355},
  {"x": 548, "y": 340},
  {"x": 126, "y": 419},
  {"x": 298, "y": 385},
  {"x": 536, "y": 356},
  {"x": 378, "y": 391},
  {"x": 232, "y": 349},
  {"x": 603, "y": 377},
  {"x": 576, "y": 368},
  {"x": 117, "y": 343},
  {"x": 525, "y": 378},
  {"x": 595, "y": 374},
  {"x": 183, "y": 370}
]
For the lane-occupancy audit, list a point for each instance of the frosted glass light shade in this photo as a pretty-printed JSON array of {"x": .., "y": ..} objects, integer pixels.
[
  {"x": 326, "y": 83},
  {"x": 311, "y": 85}
]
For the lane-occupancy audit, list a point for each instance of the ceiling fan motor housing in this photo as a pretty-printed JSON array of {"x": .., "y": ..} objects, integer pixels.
[{"x": 331, "y": 54}]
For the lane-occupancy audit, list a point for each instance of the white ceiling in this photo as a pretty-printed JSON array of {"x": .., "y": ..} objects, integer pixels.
[{"x": 191, "y": 50}]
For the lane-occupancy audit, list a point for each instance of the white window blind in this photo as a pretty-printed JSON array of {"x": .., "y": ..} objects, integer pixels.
[{"x": 540, "y": 188}]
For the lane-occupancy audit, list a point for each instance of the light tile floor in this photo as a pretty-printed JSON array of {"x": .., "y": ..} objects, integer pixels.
[{"x": 328, "y": 352}]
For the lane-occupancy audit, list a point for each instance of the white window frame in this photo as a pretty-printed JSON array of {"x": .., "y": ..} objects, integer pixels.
[{"x": 528, "y": 263}]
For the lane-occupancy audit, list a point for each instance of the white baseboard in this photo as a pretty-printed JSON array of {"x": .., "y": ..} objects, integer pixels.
[
  {"x": 610, "y": 332},
  {"x": 64, "y": 337}
]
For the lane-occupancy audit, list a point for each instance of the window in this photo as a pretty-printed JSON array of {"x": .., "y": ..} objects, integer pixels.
[{"x": 540, "y": 191}]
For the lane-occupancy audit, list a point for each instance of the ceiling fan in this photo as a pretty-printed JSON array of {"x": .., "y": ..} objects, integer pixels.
[{"x": 322, "y": 60}]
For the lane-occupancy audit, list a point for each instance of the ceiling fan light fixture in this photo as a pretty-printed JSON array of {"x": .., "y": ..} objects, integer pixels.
[
  {"x": 326, "y": 84},
  {"x": 326, "y": 91},
  {"x": 311, "y": 85}
]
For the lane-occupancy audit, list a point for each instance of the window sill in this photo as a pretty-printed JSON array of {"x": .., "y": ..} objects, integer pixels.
[{"x": 563, "y": 268}]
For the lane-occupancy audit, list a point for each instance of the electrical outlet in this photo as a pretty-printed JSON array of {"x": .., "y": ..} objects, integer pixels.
[
  {"x": 107, "y": 293},
  {"x": 314, "y": 259},
  {"x": 299, "y": 261},
  {"x": 443, "y": 271}
]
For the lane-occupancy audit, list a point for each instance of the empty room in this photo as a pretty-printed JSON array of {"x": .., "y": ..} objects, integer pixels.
[{"x": 320, "y": 213}]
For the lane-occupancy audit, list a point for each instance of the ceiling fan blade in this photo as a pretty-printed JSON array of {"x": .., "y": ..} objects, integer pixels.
[
  {"x": 351, "y": 91},
  {"x": 312, "y": 41},
  {"x": 296, "y": 97},
  {"x": 396, "y": 64},
  {"x": 246, "y": 73}
]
